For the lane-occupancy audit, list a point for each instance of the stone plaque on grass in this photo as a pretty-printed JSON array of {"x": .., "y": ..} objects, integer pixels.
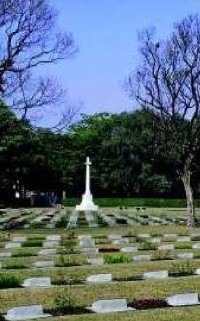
[
  {"x": 157, "y": 275},
  {"x": 44, "y": 264},
  {"x": 106, "y": 306},
  {"x": 166, "y": 247},
  {"x": 142, "y": 258},
  {"x": 99, "y": 278},
  {"x": 37, "y": 282},
  {"x": 183, "y": 299},
  {"x": 50, "y": 244},
  {"x": 53, "y": 238},
  {"x": 19, "y": 239},
  {"x": 129, "y": 249},
  {"x": 47, "y": 252},
  {"x": 12, "y": 245},
  {"x": 97, "y": 261},
  {"x": 185, "y": 256},
  {"x": 25, "y": 313}
]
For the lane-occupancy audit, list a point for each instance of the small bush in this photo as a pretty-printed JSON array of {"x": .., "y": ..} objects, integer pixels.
[
  {"x": 146, "y": 246},
  {"x": 181, "y": 269},
  {"x": 9, "y": 281},
  {"x": 144, "y": 304},
  {"x": 32, "y": 243},
  {"x": 15, "y": 265},
  {"x": 162, "y": 255},
  {"x": 183, "y": 246},
  {"x": 108, "y": 249},
  {"x": 116, "y": 258}
]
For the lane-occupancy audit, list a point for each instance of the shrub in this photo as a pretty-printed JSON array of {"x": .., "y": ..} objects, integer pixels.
[
  {"x": 62, "y": 223},
  {"x": 147, "y": 246},
  {"x": 108, "y": 249},
  {"x": 116, "y": 258},
  {"x": 181, "y": 269},
  {"x": 162, "y": 255},
  {"x": 9, "y": 281},
  {"x": 32, "y": 243},
  {"x": 15, "y": 265},
  {"x": 121, "y": 221},
  {"x": 183, "y": 246},
  {"x": 195, "y": 238},
  {"x": 144, "y": 304}
]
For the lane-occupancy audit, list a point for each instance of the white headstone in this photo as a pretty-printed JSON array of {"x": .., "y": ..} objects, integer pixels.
[
  {"x": 160, "y": 275},
  {"x": 121, "y": 241},
  {"x": 99, "y": 278},
  {"x": 12, "y": 245},
  {"x": 97, "y": 261},
  {"x": 196, "y": 246},
  {"x": 183, "y": 239},
  {"x": 129, "y": 249},
  {"x": 144, "y": 236},
  {"x": 171, "y": 235},
  {"x": 166, "y": 247},
  {"x": 50, "y": 244},
  {"x": 89, "y": 250},
  {"x": 114, "y": 237},
  {"x": 155, "y": 240},
  {"x": 25, "y": 313},
  {"x": 44, "y": 264},
  {"x": 197, "y": 272},
  {"x": 115, "y": 305},
  {"x": 185, "y": 256},
  {"x": 53, "y": 238},
  {"x": 183, "y": 299},
  {"x": 47, "y": 252},
  {"x": 5, "y": 254},
  {"x": 37, "y": 282},
  {"x": 19, "y": 239},
  {"x": 142, "y": 258}
]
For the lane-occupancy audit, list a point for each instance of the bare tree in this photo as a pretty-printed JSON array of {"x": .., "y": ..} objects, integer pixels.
[
  {"x": 29, "y": 39},
  {"x": 168, "y": 81}
]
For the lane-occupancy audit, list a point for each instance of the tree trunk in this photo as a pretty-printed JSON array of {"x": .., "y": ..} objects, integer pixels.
[{"x": 189, "y": 197}]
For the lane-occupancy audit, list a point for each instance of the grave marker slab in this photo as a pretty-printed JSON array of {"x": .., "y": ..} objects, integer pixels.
[
  {"x": 129, "y": 249},
  {"x": 99, "y": 278},
  {"x": 185, "y": 256},
  {"x": 183, "y": 239},
  {"x": 142, "y": 258},
  {"x": 183, "y": 299},
  {"x": 53, "y": 238},
  {"x": 19, "y": 239},
  {"x": 37, "y": 282},
  {"x": 44, "y": 264},
  {"x": 97, "y": 261},
  {"x": 166, "y": 247},
  {"x": 50, "y": 244},
  {"x": 156, "y": 275},
  {"x": 47, "y": 252},
  {"x": 25, "y": 313},
  {"x": 12, "y": 245},
  {"x": 106, "y": 306}
]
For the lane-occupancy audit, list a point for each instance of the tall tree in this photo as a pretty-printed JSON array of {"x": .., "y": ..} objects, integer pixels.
[
  {"x": 29, "y": 39},
  {"x": 168, "y": 81}
]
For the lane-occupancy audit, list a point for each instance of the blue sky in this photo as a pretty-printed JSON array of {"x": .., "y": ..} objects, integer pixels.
[{"x": 105, "y": 32}]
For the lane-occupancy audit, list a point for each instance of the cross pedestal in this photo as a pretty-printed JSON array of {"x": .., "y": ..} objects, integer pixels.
[{"x": 87, "y": 203}]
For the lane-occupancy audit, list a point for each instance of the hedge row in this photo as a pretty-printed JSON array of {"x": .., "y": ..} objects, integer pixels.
[{"x": 132, "y": 202}]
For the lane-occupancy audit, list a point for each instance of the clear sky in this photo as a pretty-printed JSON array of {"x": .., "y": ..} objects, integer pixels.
[{"x": 105, "y": 32}]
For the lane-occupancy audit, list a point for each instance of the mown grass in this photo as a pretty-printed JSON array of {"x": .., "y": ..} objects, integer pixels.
[{"x": 85, "y": 295}]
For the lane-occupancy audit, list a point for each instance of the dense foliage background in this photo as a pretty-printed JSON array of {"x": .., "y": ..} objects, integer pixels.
[{"x": 125, "y": 149}]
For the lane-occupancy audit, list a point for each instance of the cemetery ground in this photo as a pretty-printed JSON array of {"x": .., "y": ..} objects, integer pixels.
[{"x": 123, "y": 244}]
